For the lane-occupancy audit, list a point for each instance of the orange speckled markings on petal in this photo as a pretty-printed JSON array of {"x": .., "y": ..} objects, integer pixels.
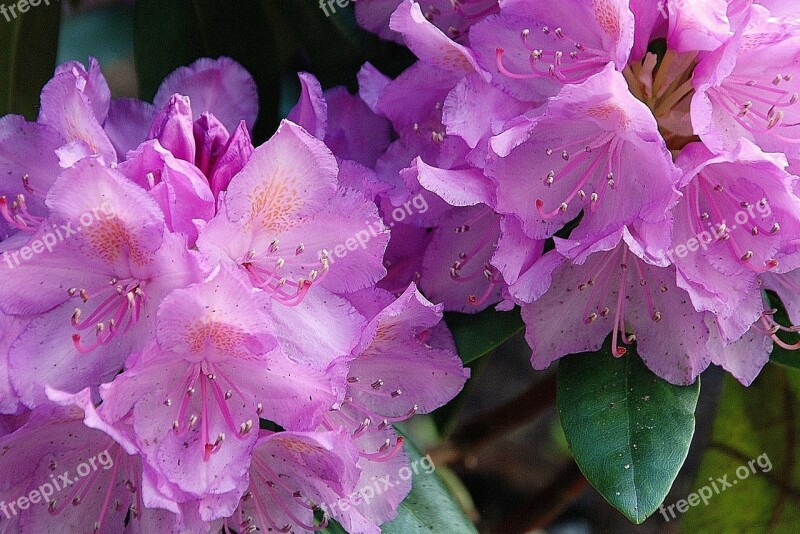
[
  {"x": 75, "y": 128},
  {"x": 456, "y": 59},
  {"x": 223, "y": 337},
  {"x": 276, "y": 202},
  {"x": 110, "y": 236},
  {"x": 607, "y": 110},
  {"x": 387, "y": 333},
  {"x": 606, "y": 16},
  {"x": 301, "y": 447}
]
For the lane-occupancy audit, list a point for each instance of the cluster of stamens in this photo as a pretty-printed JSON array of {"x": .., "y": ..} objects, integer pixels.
[
  {"x": 265, "y": 273},
  {"x": 592, "y": 160},
  {"x": 119, "y": 308},
  {"x": 16, "y": 213},
  {"x": 210, "y": 380},
  {"x": 565, "y": 60},
  {"x": 599, "y": 285}
]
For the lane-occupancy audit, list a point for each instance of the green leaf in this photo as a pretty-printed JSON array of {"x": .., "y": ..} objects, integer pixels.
[
  {"x": 333, "y": 47},
  {"x": 628, "y": 429},
  {"x": 477, "y": 335},
  {"x": 757, "y": 429},
  {"x": 429, "y": 508},
  {"x": 172, "y": 33},
  {"x": 29, "y": 43}
]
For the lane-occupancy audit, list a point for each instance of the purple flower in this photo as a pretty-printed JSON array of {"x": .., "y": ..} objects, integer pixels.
[
  {"x": 92, "y": 297},
  {"x": 619, "y": 289},
  {"x": 453, "y": 17},
  {"x": 532, "y": 48},
  {"x": 196, "y": 394},
  {"x": 583, "y": 152}
]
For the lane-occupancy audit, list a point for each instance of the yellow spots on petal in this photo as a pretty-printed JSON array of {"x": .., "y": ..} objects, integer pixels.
[
  {"x": 301, "y": 447},
  {"x": 386, "y": 333},
  {"x": 276, "y": 202},
  {"x": 606, "y": 16},
  {"x": 221, "y": 337},
  {"x": 455, "y": 59},
  {"x": 111, "y": 239},
  {"x": 608, "y": 111},
  {"x": 76, "y": 129}
]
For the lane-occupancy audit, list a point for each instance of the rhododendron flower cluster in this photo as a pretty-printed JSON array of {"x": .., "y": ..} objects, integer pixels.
[
  {"x": 614, "y": 167},
  {"x": 196, "y": 320}
]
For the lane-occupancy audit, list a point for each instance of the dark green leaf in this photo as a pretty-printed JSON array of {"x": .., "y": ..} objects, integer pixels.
[
  {"x": 429, "y": 508},
  {"x": 477, "y": 335},
  {"x": 331, "y": 46},
  {"x": 628, "y": 429},
  {"x": 29, "y": 44},
  {"x": 757, "y": 430},
  {"x": 333, "y": 528},
  {"x": 172, "y": 33}
]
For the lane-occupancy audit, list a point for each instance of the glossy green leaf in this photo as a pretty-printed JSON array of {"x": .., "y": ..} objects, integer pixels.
[
  {"x": 429, "y": 508},
  {"x": 29, "y": 45},
  {"x": 477, "y": 335},
  {"x": 172, "y": 33},
  {"x": 754, "y": 447},
  {"x": 628, "y": 429}
]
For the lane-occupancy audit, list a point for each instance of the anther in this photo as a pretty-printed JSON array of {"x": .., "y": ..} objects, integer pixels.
[{"x": 246, "y": 427}]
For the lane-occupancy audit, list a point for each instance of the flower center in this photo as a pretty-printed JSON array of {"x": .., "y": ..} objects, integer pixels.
[{"x": 665, "y": 86}]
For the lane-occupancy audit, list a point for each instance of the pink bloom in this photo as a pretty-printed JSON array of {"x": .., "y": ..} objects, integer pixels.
[
  {"x": 285, "y": 222},
  {"x": 748, "y": 87},
  {"x": 92, "y": 300},
  {"x": 583, "y": 152},
  {"x": 197, "y": 393},
  {"x": 532, "y": 49},
  {"x": 745, "y": 226},
  {"x": 87, "y": 476},
  {"x": 620, "y": 288}
]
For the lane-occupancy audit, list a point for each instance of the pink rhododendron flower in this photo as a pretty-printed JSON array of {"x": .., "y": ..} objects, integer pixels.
[
  {"x": 168, "y": 289},
  {"x": 574, "y": 124}
]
